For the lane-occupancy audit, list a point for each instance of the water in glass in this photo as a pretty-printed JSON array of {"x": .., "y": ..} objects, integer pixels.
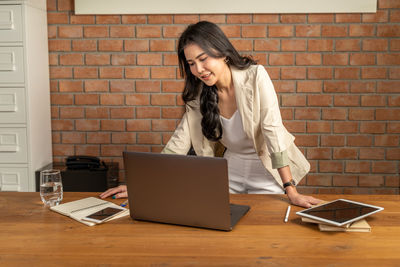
[{"x": 51, "y": 190}]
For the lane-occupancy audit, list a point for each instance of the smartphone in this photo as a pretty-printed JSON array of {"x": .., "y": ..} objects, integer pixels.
[{"x": 103, "y": 215}]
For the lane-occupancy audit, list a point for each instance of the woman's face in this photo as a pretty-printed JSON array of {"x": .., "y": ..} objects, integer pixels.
[{"x": 211, "y": 70}]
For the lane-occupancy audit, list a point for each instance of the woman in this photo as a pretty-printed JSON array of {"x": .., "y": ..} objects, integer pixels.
[{"x": 231, "y": 101}]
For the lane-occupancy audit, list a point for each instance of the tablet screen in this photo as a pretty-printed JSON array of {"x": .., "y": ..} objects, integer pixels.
[{"x": 340, "y": 211}]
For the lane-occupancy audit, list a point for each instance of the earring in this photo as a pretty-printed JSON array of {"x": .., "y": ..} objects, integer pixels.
[{"x": 226, "y": 60}]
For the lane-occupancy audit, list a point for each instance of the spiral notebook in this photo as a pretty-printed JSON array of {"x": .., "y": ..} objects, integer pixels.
[{"x": 79, "y": 209}]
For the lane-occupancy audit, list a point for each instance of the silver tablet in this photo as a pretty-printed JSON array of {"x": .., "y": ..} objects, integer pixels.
[{"x": 339, "y": 212}]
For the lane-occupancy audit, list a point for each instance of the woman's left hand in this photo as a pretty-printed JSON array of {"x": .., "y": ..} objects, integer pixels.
[
  {"x": 294, "y": 197},
  {"x": 301, "y": 200}
]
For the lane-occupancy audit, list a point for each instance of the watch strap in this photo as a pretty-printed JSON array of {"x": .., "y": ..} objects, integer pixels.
[{"x": 290, "y": 183}]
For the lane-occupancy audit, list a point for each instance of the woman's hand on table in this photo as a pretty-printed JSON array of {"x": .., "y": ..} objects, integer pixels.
[
  {"x": 117, "y": 192},
  {"x": 298, "y": 199}
]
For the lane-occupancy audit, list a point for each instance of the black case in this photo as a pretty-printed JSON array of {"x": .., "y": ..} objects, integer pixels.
[
  {"x": 89, "y": 179},
  {"x": 84, "y": 162}
]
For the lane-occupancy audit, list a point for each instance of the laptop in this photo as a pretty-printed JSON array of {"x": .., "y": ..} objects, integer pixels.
[{"x": 181, "y": 190}]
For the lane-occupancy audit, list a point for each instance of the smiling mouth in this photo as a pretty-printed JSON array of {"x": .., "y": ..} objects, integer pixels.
[{"x": 205, "y": 77}]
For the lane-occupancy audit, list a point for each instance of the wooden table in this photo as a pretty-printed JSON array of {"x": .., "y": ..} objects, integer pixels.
[{"x": 32, "y": 235}]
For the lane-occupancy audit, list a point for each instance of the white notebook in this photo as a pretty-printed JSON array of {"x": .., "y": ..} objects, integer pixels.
[
  {"x": 79, "y": 209},
  {"x": 357, "y": 226}
]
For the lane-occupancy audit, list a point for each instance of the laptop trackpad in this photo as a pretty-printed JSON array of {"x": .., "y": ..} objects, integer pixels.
[{"x": 237, "y": 212}]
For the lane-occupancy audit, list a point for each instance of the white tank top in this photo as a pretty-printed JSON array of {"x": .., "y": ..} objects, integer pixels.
[{"x": 234, "y": 137}]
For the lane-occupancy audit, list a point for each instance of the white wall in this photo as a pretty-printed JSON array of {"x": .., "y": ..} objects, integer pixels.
[{"x": 222, "y": 6}]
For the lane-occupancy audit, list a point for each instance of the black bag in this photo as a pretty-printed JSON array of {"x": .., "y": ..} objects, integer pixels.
[{"x": 84, "y": 163}]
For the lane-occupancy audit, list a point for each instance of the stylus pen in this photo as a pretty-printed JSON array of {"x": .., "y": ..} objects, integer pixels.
[
  {"x": 287, "y": 214},
  {"x": 123, "y": 204}
]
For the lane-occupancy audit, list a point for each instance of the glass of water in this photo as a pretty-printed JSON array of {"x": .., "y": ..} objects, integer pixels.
[{"x": 51, "y": 190}]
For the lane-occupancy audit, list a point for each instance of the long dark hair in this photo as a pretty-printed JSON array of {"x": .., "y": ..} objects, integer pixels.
[{"x": 213, "y": 41}]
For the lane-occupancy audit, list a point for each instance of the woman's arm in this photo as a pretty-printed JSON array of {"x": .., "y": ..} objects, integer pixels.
[
  {"x": 277, "y": 138},
  {"x": 295, "y": 197},
  {"x": 180, "y": 142}
]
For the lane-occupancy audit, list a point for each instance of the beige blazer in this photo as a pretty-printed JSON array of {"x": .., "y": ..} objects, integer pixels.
[{"x": 258, "y": 106}]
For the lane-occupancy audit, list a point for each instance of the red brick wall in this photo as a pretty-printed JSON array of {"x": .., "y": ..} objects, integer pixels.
[{"x": 115, "y": 86}]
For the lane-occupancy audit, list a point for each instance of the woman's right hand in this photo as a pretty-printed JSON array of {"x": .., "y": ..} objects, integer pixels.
[{"x": 118, "y": 192}]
